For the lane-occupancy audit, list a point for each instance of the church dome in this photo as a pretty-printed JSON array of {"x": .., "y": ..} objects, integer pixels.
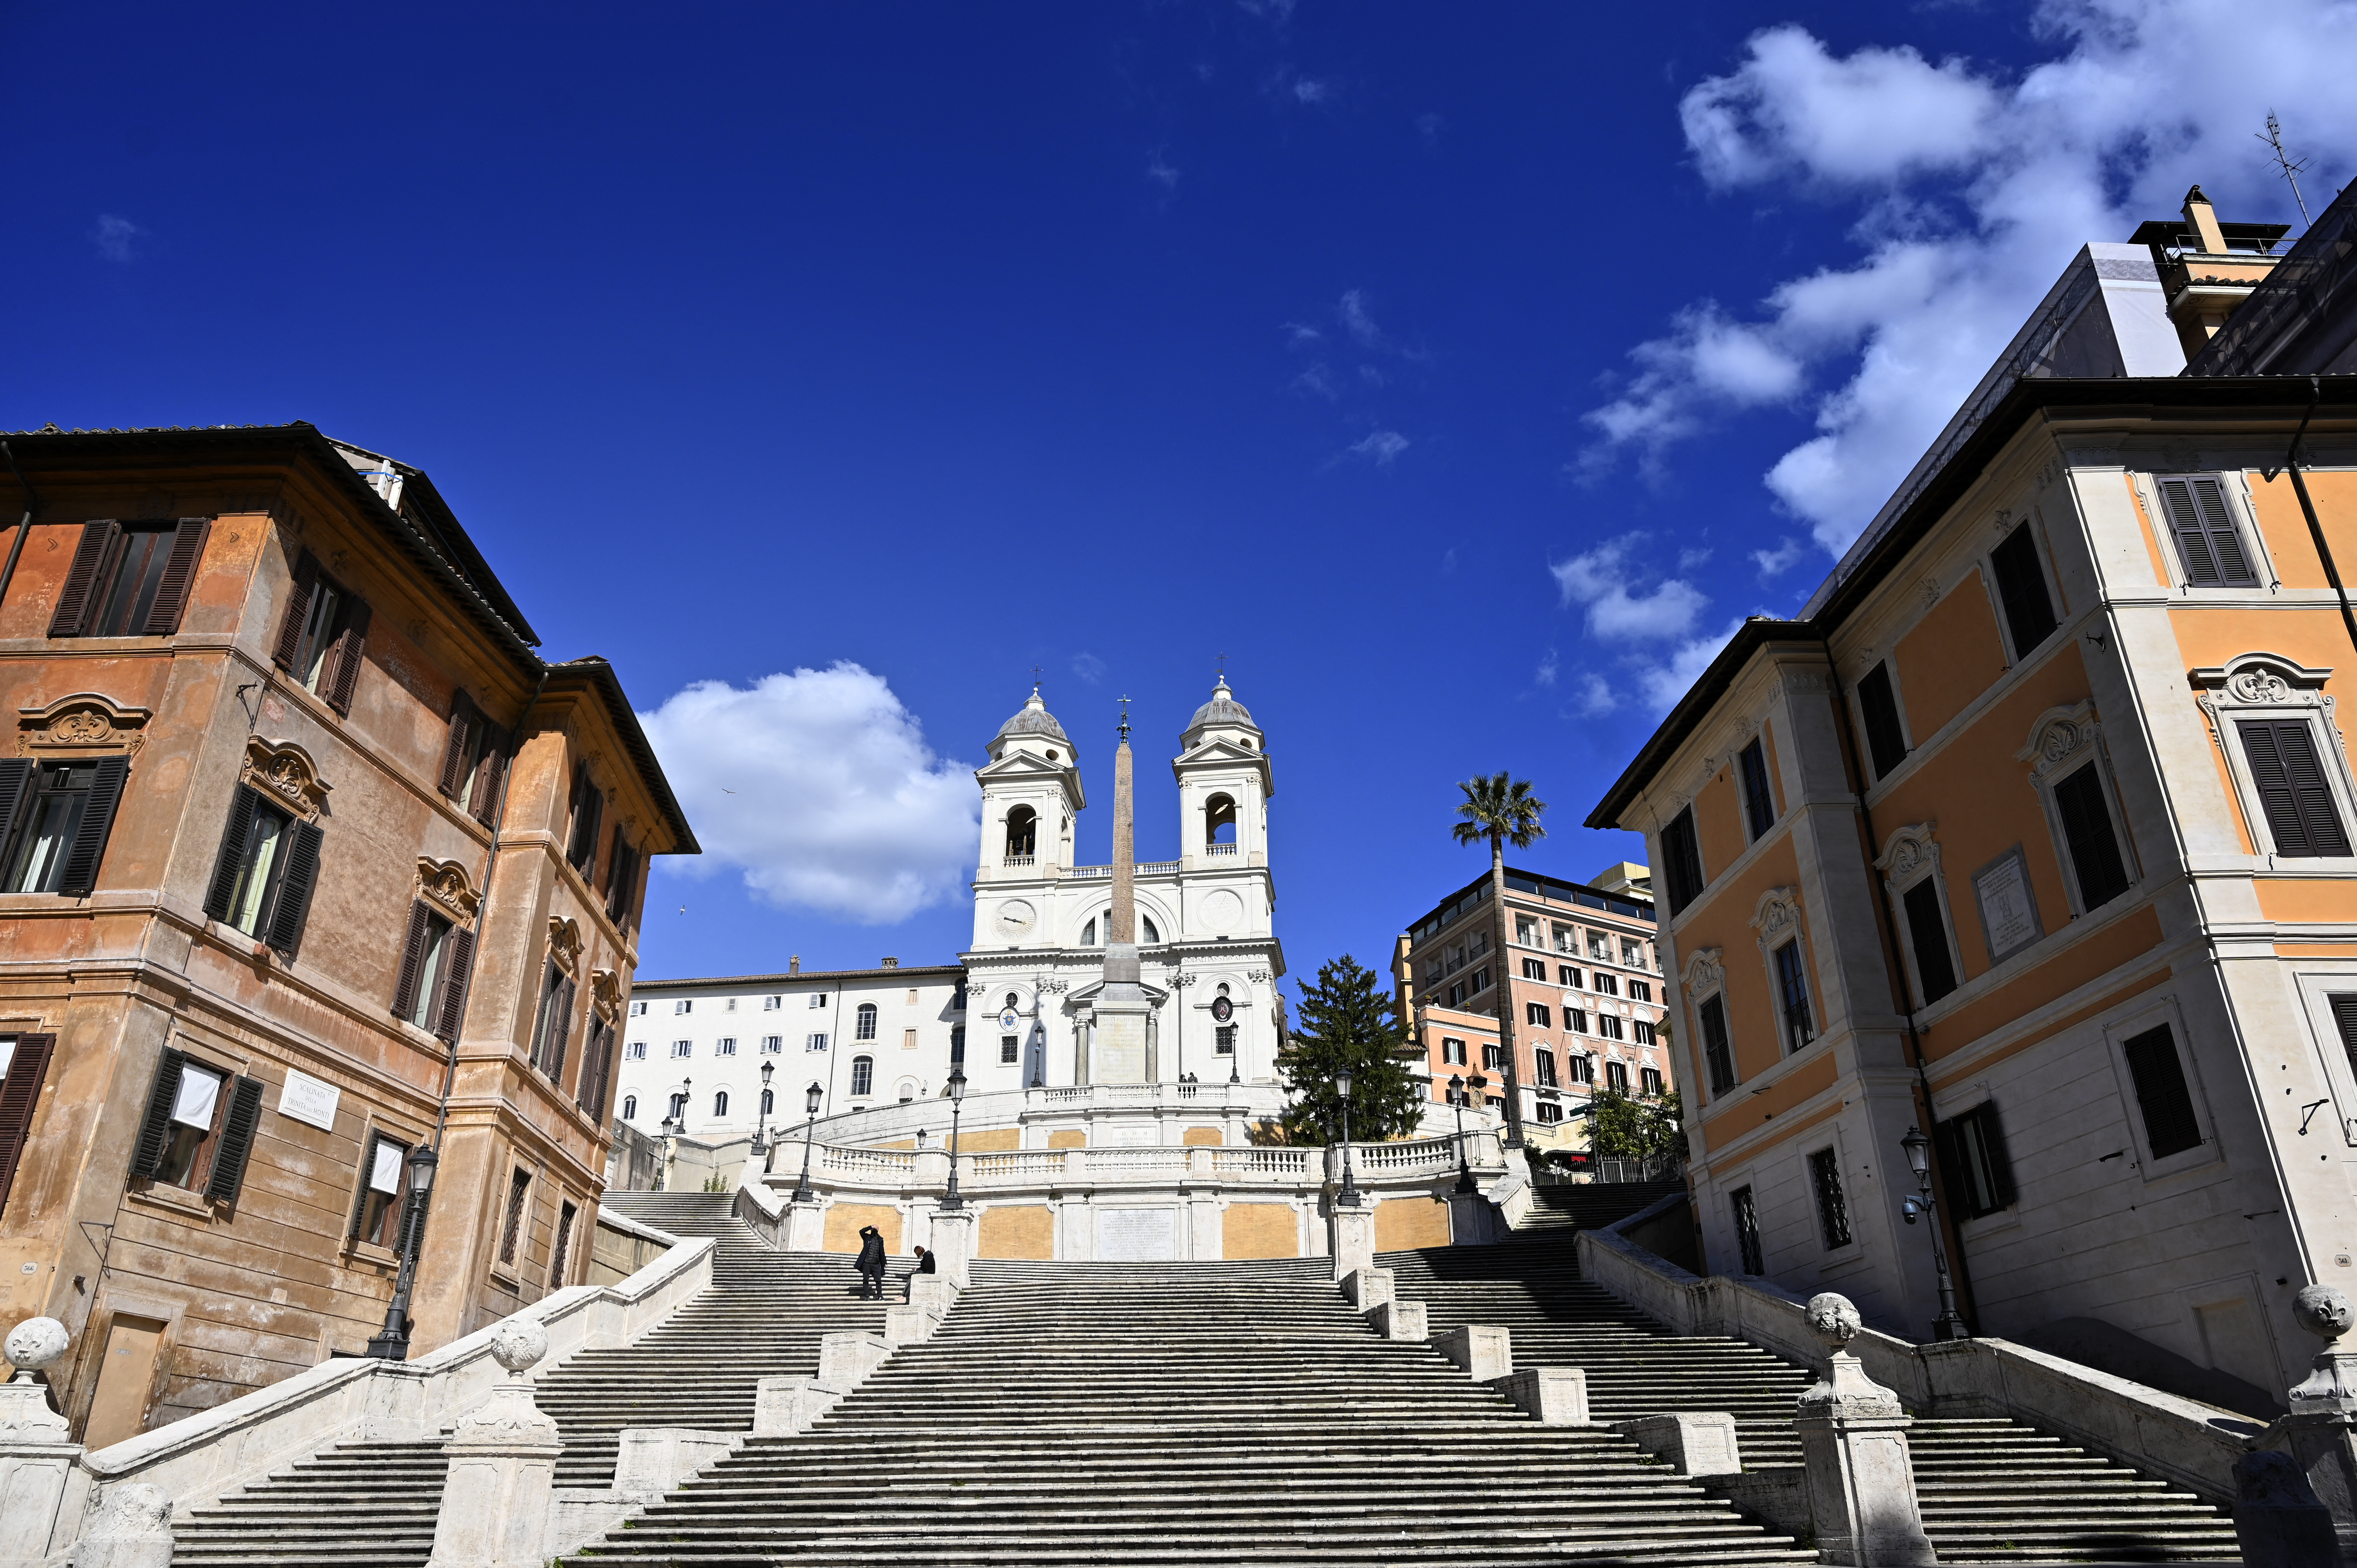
[
  {"x": 1035, "y": 719},
  {"x": 1223, "y": 709}
]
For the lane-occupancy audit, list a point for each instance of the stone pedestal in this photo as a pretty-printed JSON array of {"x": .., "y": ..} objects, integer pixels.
[
  {"x": 655, "y": 1461},
  {"x": 1367, "y": 1289},
  {"x": 1351, "y": 1237},
  {"x": 909, "y": 1325},
  {"x": 1470, "y": 1221},
  {"x": 805, "y": 1227},
  {"x": 1552, "y": 1396},
  {"x": 789, "y": 1407},
  {"x": 952, "y": 1245},
  {"x": 1399, "y": 1320},
  {"x": 37, "y": 1460},
  {"x": 497, "y": 1502},
  {"x": 1484, "y": 1353},
  {"x": 132, "y": 1529},
  {"x": 1118, "y": 1053},
  {"x": 2320, "y": 1432},
  {"x": 1853, "y": 1447},
  {"x": 1696, "y": 1443},
  {"x": 846, "y": 1359}
]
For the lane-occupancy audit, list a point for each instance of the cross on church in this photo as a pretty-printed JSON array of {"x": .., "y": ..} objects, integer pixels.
[
  {"x": 1223, "y": 666},
  {"x": 1035, "y": 677}
]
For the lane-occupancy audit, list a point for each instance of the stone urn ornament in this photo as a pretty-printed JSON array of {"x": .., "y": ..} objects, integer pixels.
[
  {"x": 1843, "y": 1389},
  {"x": 34, "y": 1344},
  {"x": 2331, "y": 1383}
]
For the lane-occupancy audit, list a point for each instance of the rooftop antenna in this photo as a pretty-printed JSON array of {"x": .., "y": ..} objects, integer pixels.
[{"x": 2284, "y": 162}]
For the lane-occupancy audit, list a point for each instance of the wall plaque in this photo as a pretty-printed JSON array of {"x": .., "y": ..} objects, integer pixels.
[
  {"x": 1137, "y": 1235},
  {"x": 2008, "y": 911},
  {"x": 306, "y": 1100}
]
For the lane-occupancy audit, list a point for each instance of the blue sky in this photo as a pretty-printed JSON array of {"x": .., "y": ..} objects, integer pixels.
[{"x": 1460, "y": 373}]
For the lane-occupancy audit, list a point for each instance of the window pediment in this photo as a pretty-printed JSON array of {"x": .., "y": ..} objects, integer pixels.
[
  {"x": 1911, "y": 850},
  {"x": 565, "y": 942},
  {"x": 85, "y": 720},
  {"x": 2261, "y": 680},
  {"x": 285, "y": 771},
  {"x": 446, "y": 884},
  {"x": 1706, "y": 971},
  {"x": 2058, "y": 735}
]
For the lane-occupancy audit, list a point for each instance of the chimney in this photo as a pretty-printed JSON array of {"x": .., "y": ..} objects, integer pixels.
[
  {"x": 891, "y": 964},
  {"x": 794, "y": 964},
  {"x": 2203, "y": 218}
]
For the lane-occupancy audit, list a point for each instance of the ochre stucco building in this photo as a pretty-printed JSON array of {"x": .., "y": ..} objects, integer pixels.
[{"x": 304, "y": 846}]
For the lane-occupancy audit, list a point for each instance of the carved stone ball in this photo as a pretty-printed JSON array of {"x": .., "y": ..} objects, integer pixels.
[
  {"x": 1834, "y": 1319},
  {"x": 2320, "y": 1309},
  {"x": 519, "y": 1343},
  {"x": 38, "y": 1341}
]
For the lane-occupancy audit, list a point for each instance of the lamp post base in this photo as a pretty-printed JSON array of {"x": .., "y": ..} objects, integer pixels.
[{"x": 388, "y": 1346}]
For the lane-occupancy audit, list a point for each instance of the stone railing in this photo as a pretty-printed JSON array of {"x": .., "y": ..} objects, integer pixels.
[
  {"x": 1219, "y": 849},
  {"x": 853, "y": 1171},
  {"x": 886, "y": 1165},
  {"x": 1280, "y": 1165}
]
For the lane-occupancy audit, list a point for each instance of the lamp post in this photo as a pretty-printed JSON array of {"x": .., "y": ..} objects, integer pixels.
[
  {"x": 951, "y": 1201},
  {"x": 1457, "y": 1085},
  {"x": 391, "y": 1342},
  {"x": 761, "y": 1150},
  {"x": 1950, "y": 1325},
  {"x": 802, "y": 1193},
  {"x": 1349, "y": 1197}
]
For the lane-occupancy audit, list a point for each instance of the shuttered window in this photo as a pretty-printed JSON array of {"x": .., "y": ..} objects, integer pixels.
[
  {"x": 28, "y": 1057},
  {"x": 621, "y": 878},
  {"x": 1886, "y": 741},
  {"x": 2207, "y": 543},
  {"x": 1759, "y": 804},
  {"x": 1539, "y": 1014},
  {"x": 1927, "y": 934},
  {"x": 589, "y": 806},
  {"x": 1682, "y": 861},
  {"x": 55, "y": 819},
  {"x": 264, "y": 873},
  {"x": 2087, "y": 833},
  {"x": 198, "y": 1129},
  {"x": 130, "y": 579},
  {"x": 2021, "y": 590},
  {"x": 553, "y": 1029},
  {"x": 376, "y": 1215},
  {"x": 1793, "y": 989},
  {"x": 437, "y": 959},
  {"x": 1972, "y": 1162},
  {"x": 2302, "y": 817},
  {"x": 322, "y": 635},
  {"x": 2163, "y": 1097},
  {"x": 596, "y": 1068},
  {"x": 1719, "y": 1054}
]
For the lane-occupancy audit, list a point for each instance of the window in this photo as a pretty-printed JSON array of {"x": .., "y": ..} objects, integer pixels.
[
  {"x": 638, "y": 1050},
  {"x": 818, "y": 999},
  {"x": 1576, "y": 1020},
  {"x": 129, "y": 579},
  {"x": 729, "y": 1005},
  {"x": 1616, "y": 1076},
  {"x": 1717, "y": 1052},
  {"x": 1022, "y": 835},
  {"x": 321, "y": 636},
  {"x": 1010, "y": 1048},
  {"x": 264, "y": 873},
  {"x": 1607, "y": 984},
  {"x": 552, "y": 1031},
  {"x": 680, "y": 1049},
  {"x": 1632, "y": 954},
  {"x": 54, "y": 821},
  {"x": 1746, "y": 1232},
  {"x": 376, "y": 1217},
  {"x": 908, "y": 1039},
  {"x": 1152, "y": 935},
  {"x": 1886, "y": 741},
  {"x": 1927, "y": 936},
  {"x": 1644, "y": 1031},
  {"x": 1526, "y": 931},
  {"x": 1492, "y": 1058},
  {"x": 638, "y": 1009},
  {"x": 1534, "y": 968},
  {"x": 773, "y": 1045},
  {"x": 1608, "y": 1026},
  {"x": 815, "y": 1043},
  {"x": 1759, "y": 805},
  {"x": 1833, "y": 1213},
  {"x": 630, "y": 1106},
  {"x": 1537, "y": 1012},
  {"x": 2302, "y": 817},
  {"x": 1793, "y": 989},
  {"x": 725, "y": 1046},
  {"x": 2162, "y": 1096},
  {"x": 720, "y": 1103},
  {"x": 1583, "y": 1070},
  {"x": 682, "y": 1007},
  {"x": 2207, "y": 543},
  {"x": 24, "y": 1062},
  {"x": 1640, "y": 991},
  {"x": 1566, "y": 975},
  {"x": 677, "y": 1115},
  {"x": 772, "y": 1003},
  {"x": 1599, "y": 947},
  {"x": 1546, "y": 1068},
  {"x": 2344, "y": 1023},
  {"x": 565, "y": 1216},
  {"x": 1479, "y": 984},
  {"x": 1220, "y": 822},
  {"x": 474, "y": 759},
  {"x": 862, "y": 1075},
  {"x": 1549, "y": 1111},
  {"x": 2095, "y": 851},
  {"x": 1649, "y": 1080},
  {"x": 769, "y": 1104},
  {"x": 1980, "y": 1178},
  {"x": 1681, "y": 861},
  {"x": 1452, "y": 1052},
  {"x": 587, "y": 806},
  {"x": 512, "y": 1228},
  {"x": 865, "y": 1028},
  {"x": 957, "y": 998},
  {"x": 429, "y": 988},
  {"x": 596, "y": 1068},
  {"x": 622, "y": 884},
  {"x": 1565, "y": 940},
  {"x": 198, "y": 1128},
  {"x": 908, "y": 1091},
  {"x": 2021, "y": 591},
  {"x": 1223, "y": 1040}
]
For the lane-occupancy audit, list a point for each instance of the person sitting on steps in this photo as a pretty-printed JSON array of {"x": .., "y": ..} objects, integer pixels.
[{"x": 924, "y": 1266}]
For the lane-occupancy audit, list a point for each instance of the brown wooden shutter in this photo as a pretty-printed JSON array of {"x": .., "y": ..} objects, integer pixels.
[
  {"x": 454, "y": 750},
  {"x": 2206, "y": 540},
  {"x": 413, "y": 960},
  {"x": 298, "y": 611},
  {"x": 559, "y": 1033},
  {"x": 180, "y": 576},
  {"x": 79, "y": 876},
  {"x": 72, "y": 613},
  {"x": 20, "y": 1096},
  {"x": 346, "y": 660},
  {"x": 293, "y": 906},
  {"x": 156, "y": 1127},
  {"x": 236, "y": 1144},
  {"x": 368, "y": 1169},
  {"x": 17, "y": 776},
  {"x": 227, "y": 866},
  {"x": 459, "y": 963},
  {"x": 489, "y": 773},
  {"x": 596, "y": 1070},
  {"x": 2301, "y": 815}
]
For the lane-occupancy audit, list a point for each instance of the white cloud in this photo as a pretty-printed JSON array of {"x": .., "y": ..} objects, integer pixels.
[
  {"x": 1596, "y": 696},
  {"x": 1663, "y": 681},
  {"x": 1308, "y": 90},
  {"x": 1777, "y": 561},
  {"x": 1088, "y": 667},
  {"x": 838, "y": 805},
  {"x": 1158, "y": 169},
  {"x": 114, "y": 237},
  {"x": 1318, "y": 377},
  {"x": 1548, "y": 668},
  {"x": 1600, "y": 580},
  {"x": 1380, "y": 448},
  {"x": 1967, "y": 192},
  {"x": 1355, "y": 319}
]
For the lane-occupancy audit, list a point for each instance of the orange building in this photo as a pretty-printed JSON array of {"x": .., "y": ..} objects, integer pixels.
[
  {"x": 2036, "y": 833},
  {"x": 1580, "y": 973},
  {"x": 311, "y": 863}
]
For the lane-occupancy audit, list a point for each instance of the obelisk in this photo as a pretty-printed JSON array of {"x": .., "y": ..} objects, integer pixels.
[{"x": 1121, "y": 1006}]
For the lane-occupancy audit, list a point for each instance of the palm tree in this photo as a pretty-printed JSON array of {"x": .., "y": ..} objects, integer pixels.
[{"x": 1503, "y": 811}]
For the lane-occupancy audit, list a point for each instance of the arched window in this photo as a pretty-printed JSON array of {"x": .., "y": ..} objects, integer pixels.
[
  {"x": 866, "y": 1029},
  {"x": 630, "y": 1106},
  {"x": 1089, "y": 933},
  {"x": 908, "y": 1091},
  {"x": 862, "y": 1075},
  {"x": 769, "y": 1101},
  {"x": 679, "y": 1107},
  {"x": 1014, "y": 1002},
  {"x": 1152, "y": 935},
  {"x": 1022, "y": 833},
  {"x": 1220, "y": 820},
  {"x": 720, "y": 1103}
]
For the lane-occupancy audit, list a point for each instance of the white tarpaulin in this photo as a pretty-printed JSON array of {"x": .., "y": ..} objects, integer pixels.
[
  {"x": 199, "y": 1091},
  {"x": 386, "y": 1178}
]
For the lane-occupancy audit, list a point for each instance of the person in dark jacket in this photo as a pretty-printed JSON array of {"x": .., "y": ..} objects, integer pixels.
[
  {"x": 924, "y": 1266},
  {"x": 871, "y": 1262}
]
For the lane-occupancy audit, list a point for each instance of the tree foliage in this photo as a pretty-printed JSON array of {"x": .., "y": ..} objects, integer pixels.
[
  {"x": 1499, "y": 808},
  {"x": 1622, "y": 1125},
  {"x": 1348, "y": 1019}
]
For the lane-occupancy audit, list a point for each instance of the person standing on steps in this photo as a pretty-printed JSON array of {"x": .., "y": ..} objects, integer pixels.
[{"x": 871, "y": 1262}]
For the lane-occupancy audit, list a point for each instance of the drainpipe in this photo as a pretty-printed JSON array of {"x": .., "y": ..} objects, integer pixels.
[
  {"x": 24, "y": 524},
  {"x": 2299, "y": 488},
  {"x": 1853, "y": 762}
]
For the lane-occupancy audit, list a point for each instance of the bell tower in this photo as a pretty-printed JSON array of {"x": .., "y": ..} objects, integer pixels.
[
  {"x": 1030, "y": 796},
  {"x": 1225, "y": 785}
]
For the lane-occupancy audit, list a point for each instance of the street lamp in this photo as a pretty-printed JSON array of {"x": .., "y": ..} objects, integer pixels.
[
  {"x": 675, "y": 1113},
  {"x": 1457, "y": 1085},
  {"x": 1950, "y": 1324},
  {"x": 1349, "y": 1197},
  {"x": 391, "y": 1342},
  {"x": 951, "y": 1201},
  {"x": 802, "y": 1193},
  {"x": 762, "y": 1118}
]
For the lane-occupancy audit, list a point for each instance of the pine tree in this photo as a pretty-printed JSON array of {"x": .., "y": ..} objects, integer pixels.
[{"x": 1346, "y": 1020}]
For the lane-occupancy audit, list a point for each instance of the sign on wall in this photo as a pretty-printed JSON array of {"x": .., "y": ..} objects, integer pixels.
[
  {"x": 306, "y": 1100},
  {"x": 2009, "y": 911}
]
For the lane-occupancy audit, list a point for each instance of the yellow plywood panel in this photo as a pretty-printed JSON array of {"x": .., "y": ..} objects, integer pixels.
[
  {"x": 1068, "y": 1138},
  {"x": 844, "y": 1219},
  {"x": 1404, "y": 1222},
  {"x": 1200, "y": 1137},
  {"x": 1949, "y": 657},
  {"x": 896, "y": 1143},
  {"x": 1259, "y": 1230},
  {"x": 991, "y": 1141},
  {"x": 1018, "y": 1230}
]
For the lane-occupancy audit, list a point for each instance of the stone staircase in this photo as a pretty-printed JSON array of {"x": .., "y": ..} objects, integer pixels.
[
  {"x": 1153, "y": 1414},
  {"x": 1992, "y": 1490}
]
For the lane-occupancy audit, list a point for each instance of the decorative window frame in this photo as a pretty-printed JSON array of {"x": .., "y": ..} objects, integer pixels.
[
  {"x": 285, "y": 773},
  {"x": 565, "y": 944},
  {"x": 1704, "y": 977},
  {"x": 2269, "y": 685},
  {"x": 1776, "y": 920},
  {"x": 2001, "y": 529},
  {"x": 2061, "y": 740},
  {"x": 446, "y": 887},
  {"x": 2332, "y": 1061},
  {"x": 606, "y": 996},
  {"x": 85, "y": 722},
  {"x": 1855, "y": 697},
  {"x": 2117, "y": 1032},
  {"x": 2234, "y": 485},
  {"x": 1910, "y": 857}
]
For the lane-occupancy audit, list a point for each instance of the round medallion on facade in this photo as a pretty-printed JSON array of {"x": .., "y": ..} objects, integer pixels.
[
  {"x": 1016, "y": 917},
  {"x": 1223, "y": 1009},
  {"x": 1222, "y": 911}
]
